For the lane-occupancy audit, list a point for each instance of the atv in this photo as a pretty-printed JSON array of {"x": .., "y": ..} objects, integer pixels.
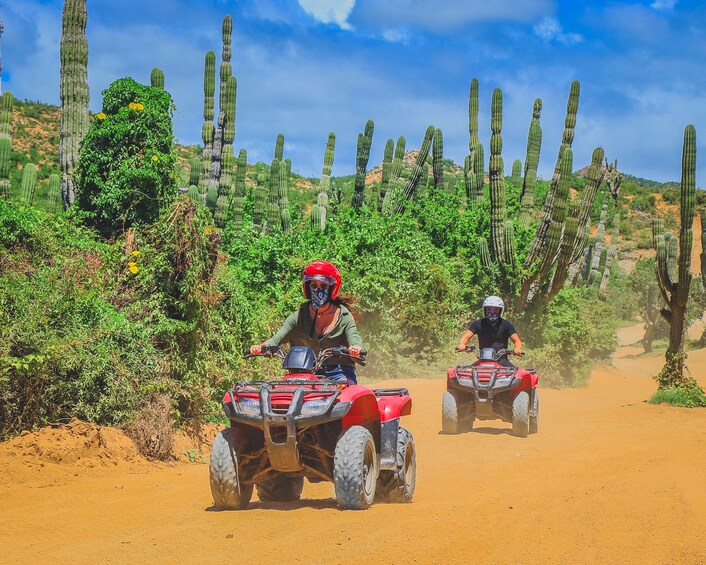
[
  {"x": 306, "y": 426},
  {"x": 488, "y": 390}
]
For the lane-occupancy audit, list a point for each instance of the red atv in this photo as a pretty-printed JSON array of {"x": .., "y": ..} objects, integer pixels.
[
  {"x": 307, "y": 426},
  {"x": 488, "y": 390}
]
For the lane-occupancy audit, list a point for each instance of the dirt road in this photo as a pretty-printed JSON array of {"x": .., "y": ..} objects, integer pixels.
[{"x": 608, "y": 479}]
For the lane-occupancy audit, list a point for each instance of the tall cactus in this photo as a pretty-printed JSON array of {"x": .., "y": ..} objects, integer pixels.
[
  {"x": 473, "y": 140},
  {"x": 279, "y": 147},
  {"x": 652, "y": 316},
  {"x": 365, "y": 140},
  {"x": 54, "y": 194},
  {"x": 274, "y": 219},
  {"x": 416, "y": 169},
  {"x": 498, "y": 210},
  {"x": 394, "y": 188},
  {"x": 611, "y": 254},
  {"x": 260, "y": 200},
  {"x": 479, "y": 172},
  {"x": 703, "y": 247},
  {"x": 29, "y": 179},
  {"x": 674, "y": 275},
  {"x": 574, "y": 238},
  {"x": 516, "y": 173},
  {"x": 239, "y": 189},
  {"x": 315, "y": 217},
  {"x": 194, "y": 170},
  {"x": 534, "y": 145},
  {"x": 484, "y": 252},
  {"x": 285, "y": 218},
  {"x": 386, "y": 170},
  {"x": 157, "y": 78},
  {"x": 438, "y": 159},
  {"x": 73, "y": 92},
  {"x": 225, "y": 126},
  {"x": 549, "y": 203},
  {"x": 208, "y": 130},
  {"x": 324, "y": 196},
  {"x": 6, "y": 104}
]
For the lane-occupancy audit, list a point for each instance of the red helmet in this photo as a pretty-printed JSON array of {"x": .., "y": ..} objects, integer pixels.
[{"x": 321, "y": 271}]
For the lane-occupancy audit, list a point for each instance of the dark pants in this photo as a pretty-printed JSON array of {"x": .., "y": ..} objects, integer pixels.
[{"x": 338, "y": 373}]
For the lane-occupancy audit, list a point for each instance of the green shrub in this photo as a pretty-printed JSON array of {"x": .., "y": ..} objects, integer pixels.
[
  {"x": 126, "y": 170},
  {"x": 691, "y": 396}
]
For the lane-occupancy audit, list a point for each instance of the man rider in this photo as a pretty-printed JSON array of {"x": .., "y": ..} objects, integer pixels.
[{"x": 492, "y": 330}]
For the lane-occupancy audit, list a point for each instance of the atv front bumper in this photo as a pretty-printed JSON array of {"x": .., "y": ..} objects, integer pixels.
[
  {"x": 300, "y": 414},
  {"x": 468, "y": 381}
]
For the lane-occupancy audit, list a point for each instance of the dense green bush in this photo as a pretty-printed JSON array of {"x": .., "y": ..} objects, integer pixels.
[{"x": 126, "y": 170}]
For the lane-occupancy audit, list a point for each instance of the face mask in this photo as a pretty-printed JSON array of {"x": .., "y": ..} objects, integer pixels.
[
  {"x": 493, "y": 316},
  {"x": 319, "y": 297}
]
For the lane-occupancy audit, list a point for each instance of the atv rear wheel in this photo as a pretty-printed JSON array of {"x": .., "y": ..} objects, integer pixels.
[
  {"x": 398, "y": 485},
  {"x": 280, "y": 488},
  {"x": 520, "y": 415},
  {"x": 534, "y": 415},
  {"x": 452, "y": 422},
  {"x": 355, "y": 469},
  {"x": 227, "y": 490}
]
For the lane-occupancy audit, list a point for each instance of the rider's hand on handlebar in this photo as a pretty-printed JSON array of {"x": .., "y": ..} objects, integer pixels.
[
  {"x": 354, "y": 350},
  {"x": 257, "y": 349}
]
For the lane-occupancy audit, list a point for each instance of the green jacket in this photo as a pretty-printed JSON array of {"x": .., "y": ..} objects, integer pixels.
[{"x": 299, "y": 326}]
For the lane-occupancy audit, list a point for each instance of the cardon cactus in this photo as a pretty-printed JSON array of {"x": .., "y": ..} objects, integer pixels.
[
  {"x": 416, "y": 169},
  {"x": 673, "y": 271},
  {"x": 652, "y": 316},
  {"x": 194, "y": 170},
  {"x": 315, "y": 217},
  {"x": 438, "y": 159},
  {"x": 222, "y": 155},
  {"x": 54, "y": 194},
  {"x": 260, "y": 198},
  {"x": 157, "y": 78},
  {"x": 538, "y": 243},
  {"x": 498, "y": 211},
  {"x": 516, "y": 172},
  {"x": 473, "y": 140},
  {"x": 394, "y": 189},
  {"x": 479, "y": 172},
  {"x": 534, "y": 145},
  {"x": 208, "y": 130},
  {"x": 365, "y": 140},
  {"x": 193, "y": 193},
  {"x": 611, "y": 253},
  {"x": 386, "y": 171},
  {"x": 220, "y": 214},
  {"x": 279, "y": 147},
  {"x": 484, "y": 252},
  {"x": 325, "y": 193},
  {"x": 73, "y": 92},
  {"x": 29, "y": 179},
  {"x": 6, "y": 104}
]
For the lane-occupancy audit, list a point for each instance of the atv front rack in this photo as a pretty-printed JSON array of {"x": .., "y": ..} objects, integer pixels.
[
  {"x": 466, "y": 378},
  {"x": 274, "y": 422}
]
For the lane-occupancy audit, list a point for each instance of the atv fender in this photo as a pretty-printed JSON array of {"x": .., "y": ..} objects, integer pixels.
[
  {"x": 393, "y": 407},
  {"x": 363, "y": 411}
]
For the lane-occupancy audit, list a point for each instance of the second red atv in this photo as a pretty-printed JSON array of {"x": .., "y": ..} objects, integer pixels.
[
  {"x": 488, "y": 390},
  {"x": 305, "y": 426}
]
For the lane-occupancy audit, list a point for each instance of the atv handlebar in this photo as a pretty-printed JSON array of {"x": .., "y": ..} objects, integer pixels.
[
  {"x": 468, "y": 349},
  {"x": 342, "y": 351},
  {"x": 502, "y": 352}
]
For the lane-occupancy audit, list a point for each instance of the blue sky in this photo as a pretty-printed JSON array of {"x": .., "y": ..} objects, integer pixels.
[{"x": 308, "y": 67}]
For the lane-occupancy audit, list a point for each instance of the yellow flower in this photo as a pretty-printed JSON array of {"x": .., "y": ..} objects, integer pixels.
[
  {"x": 101, "y": 116},
  {"x": 135, "y": 253},
  {"x": 133, "y": 268},
  {"x": 139, "y": 107},
  {"x": 208, "y": 230},
  {"x": 155, "y": 158},
  {"x": 132, "y": 106}
]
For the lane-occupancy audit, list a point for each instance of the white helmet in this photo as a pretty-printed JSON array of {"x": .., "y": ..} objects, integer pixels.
[{"x": 493, "y": 302}]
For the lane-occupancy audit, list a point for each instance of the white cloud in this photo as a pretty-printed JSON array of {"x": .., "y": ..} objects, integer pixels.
[
  {"x": 329, "y": 11},
  {"x": 550, "y": 29},
  {"x": 663, "y": 5}
]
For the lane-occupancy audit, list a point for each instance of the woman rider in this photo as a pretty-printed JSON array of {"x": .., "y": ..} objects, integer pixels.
[{"x": 322, "y": 322}]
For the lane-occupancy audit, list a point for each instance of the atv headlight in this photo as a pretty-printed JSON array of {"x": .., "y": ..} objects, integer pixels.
[
  {"x": 314, "y": 407},
  {"x": 249, "y": 406}
]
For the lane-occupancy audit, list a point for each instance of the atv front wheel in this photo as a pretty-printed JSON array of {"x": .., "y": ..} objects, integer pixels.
[
  {"x": 534, "y": 415},
  {"x": 355, "y": 469},
  {"x": 520, "y": 415},
  {"x": 452, "y": 422},
  {"x": 227, "y": 490},
  {"x": 280, "y": 488},
  {"x": 398, "y": 485}
]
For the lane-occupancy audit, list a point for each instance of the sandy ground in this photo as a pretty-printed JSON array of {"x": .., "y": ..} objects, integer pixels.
[{"x": 608, "y": 479}]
